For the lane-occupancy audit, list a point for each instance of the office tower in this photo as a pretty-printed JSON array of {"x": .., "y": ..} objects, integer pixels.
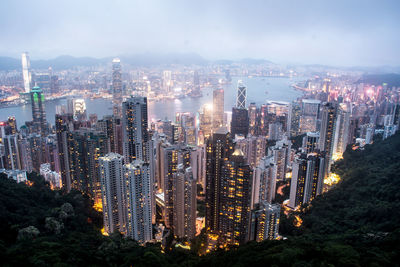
[
  {"x": 241, "y": 95},
  {"x": 135, "y": 133},
  {"x": 206, "y": 120},
  {"x": 63, "y": 124},
  {"x": 113, "y": 192},
  {"x": 38, "y": 111},
  {"x": 54, "y": 84},
  {"x": 138, "y": 200},
  {"x": 294, "y": 119},
  {"x": 50, "y": 176},
  {"x": 309, "y": 115},
  {"x": 26, "y": 73},
  {"x": 218, "y": 149},
  {"x": 167, "y": 81},
  {"x": 253, "y": 115},
  {"x": 310, "y": 142},
  {"x": 253, "y": 147},
  {"x": 12, "y": 155},
  {"x": 278, "y": 112},
  {"x": 117, "y": 87},
  {"x": 240, "y": 122},
  {"x": 235, "y": 199},
  {"x": 326, "y": 139},
  {"x": 79, "y": 109},
  {"x": 264, "y": 182},
  {"x": 341, "y": 134},
  {"x": 218, "y": 108},
  {"x": 93, "y": 119},
  {"x": 186, "y": 126},
  {"x": 265, "y": 222},
  {"x": 240, "y": 116},
  {"x": 184, "y": 198},
  {"x": 307, "y": 179}
]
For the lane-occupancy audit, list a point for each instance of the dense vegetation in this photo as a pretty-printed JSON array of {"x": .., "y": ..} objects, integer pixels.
[{"x": 355, "y": 224}]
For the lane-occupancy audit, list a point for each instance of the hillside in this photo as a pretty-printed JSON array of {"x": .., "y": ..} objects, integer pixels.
[{"x": 355, "y": 224}]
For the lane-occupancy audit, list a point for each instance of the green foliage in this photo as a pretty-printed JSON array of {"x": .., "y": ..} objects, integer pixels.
[{"x": 355, "y": 224}]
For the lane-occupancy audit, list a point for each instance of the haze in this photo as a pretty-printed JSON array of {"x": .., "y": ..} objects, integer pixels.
[{"x": 339, "y": 33}]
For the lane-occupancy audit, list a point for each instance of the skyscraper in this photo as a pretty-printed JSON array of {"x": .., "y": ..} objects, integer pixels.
[
  {"x": 241, "y": 95},
  {"x": 327, "y": 133},
  {"x": 307, "y": 179},
  {"x": 240, "y": 116},
  {"x": 138, "y": 200},
  {"x": 26, "y": 73},
  {"x": 184, "y": 196},
  {"x": 117, "y": 87},
  {"x": 218, "y": 108},
  {"x": 309, "y": 115},
  {"x": 135, "y": 133},
  {"x": 38, "y": 111},
  {"x": 113, "y": 192},
  {"x": 235, "y": 199},
  {"x": 264, "y": 182},
  {"x": 310, "y": 142},
  {"x": 218, "y": 149}
]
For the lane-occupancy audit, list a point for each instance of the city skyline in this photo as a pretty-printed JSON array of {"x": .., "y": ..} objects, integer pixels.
[{"x": 343, "y": 34}]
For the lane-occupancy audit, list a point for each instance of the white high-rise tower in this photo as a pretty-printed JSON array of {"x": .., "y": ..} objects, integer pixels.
[
  {"x": 26, "y": 73},
  {"x": 241, "y": 95}
]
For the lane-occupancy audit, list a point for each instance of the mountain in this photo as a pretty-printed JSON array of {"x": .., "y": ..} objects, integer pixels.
[{"x": 392, "y": 79}]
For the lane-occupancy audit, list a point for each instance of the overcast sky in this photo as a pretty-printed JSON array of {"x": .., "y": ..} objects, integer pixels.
[{"x": 300, "y": 31}]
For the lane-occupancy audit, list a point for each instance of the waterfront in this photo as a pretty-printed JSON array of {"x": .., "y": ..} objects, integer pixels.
[{"x": 277, "y": 88}]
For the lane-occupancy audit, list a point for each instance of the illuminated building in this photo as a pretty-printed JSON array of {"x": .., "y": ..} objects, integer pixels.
[
  {"x": 50, "y": 176},
  {"x": 135, "y": 133},
  {"x": 117, "y": 87},
  {"x": 327, "y": 133},
  {"x": 309, "y": 115},
  {"x": 240, "y": 122},
  {"x": 206, "y": 120},
  {"x": 113, "y": 128},
  {"x": 310, "y": 142},
  {"x": 307, "y": 179},
  {"x": 389, "y": 130},
  {"x": 218, "y": 108},
  {"x": 138, "y": 200},
  {"x": 64, "y": 124},
  {"x": 265, "y": 222},
  {"x": 113, "y": 192},
  {"x": 264, "y": 181},
  {"x": 253, "y": 115},
  {"x": 184, "y": 198},
  {"x": 240, "y": 116},
  {"x": 26, "y": 74},
  {"x": 280, "y": 153},
  {"x": 253, "y": 148},
  {"x": 294, "y": 119},
  {"x": 42, "y": 80},
  {"x": 12, "y": 160},
  {"x": 172, "y": 157},
  {"x": 241, "y": 95},
  {"x": 17, "y": 175},
  {"x": 38, "y": 111},
  {"x": 341, "y": 130},
  {"x": 218, "y": 149},
  {"x": 12, "y": 123},
  {"x": 37, "y": 150},
  {"x": 235, "y": 200},
  {"x": 275, "y": 131}
]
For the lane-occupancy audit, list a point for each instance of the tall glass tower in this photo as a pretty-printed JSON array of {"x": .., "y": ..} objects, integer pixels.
[{"x": 117, "y": 87}]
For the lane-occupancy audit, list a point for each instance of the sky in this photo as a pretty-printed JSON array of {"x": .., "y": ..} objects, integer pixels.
[{"x": 341, "y": 33}]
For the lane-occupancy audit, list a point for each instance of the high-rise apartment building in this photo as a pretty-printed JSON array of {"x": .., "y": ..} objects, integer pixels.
[
  {"x": 218, "y": 108},
  {"x": 265, "y": 222},
  {"x": 309, "y": 115},
  {"x": 117, "y": 87}
]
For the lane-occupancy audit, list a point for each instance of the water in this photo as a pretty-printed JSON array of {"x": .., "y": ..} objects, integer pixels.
[{"x": 278, "y": 89}]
